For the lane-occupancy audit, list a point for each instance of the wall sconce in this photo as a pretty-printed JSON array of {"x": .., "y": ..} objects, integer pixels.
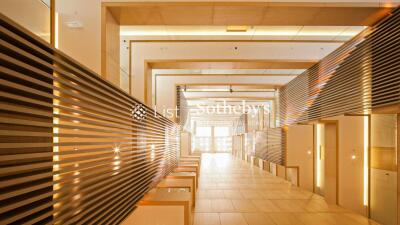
[{"x": 353, "y": 155}]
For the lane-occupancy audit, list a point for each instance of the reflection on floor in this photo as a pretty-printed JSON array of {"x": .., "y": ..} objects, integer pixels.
[{"x": 232, "y": 192}]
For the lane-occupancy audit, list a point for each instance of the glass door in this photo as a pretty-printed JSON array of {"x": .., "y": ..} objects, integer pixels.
[
  {"x": 212, "y": 139},
  {"x": 202, "y": 139},
  {"x": 222, "y": 139}
]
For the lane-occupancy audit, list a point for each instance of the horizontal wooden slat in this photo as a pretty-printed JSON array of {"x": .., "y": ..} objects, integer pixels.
[
  {"x": 360, "y": 75},
  {"x": 74, "y": 148}
]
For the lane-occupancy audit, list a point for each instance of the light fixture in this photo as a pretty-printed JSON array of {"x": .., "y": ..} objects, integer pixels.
[
  {"x": 319, "y": 155},
  {"x": 56, "y": 30},
  {"x": 366, "y": 159},
  {"x": 353, "y": 155},
  {"x": 74, "y": 24},
  {"x": 237, "y": 28}
]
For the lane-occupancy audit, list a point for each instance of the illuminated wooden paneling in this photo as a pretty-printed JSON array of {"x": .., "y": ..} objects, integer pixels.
[
  {"x": 75, "y": 149},
  {"x": 360, "y": 75},
  {"x": 247, "y": 13},
  {"x": 270, "y": 145}
]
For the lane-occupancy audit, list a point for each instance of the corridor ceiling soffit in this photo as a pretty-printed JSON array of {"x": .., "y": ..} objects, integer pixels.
[
  {"x": 260, "y": 94},
  {"x": 228, "y": 72},
  {"x": 249, "y": 13},
  {"x": 230, "y": 64},
  {"x": 253, "y": 33}
]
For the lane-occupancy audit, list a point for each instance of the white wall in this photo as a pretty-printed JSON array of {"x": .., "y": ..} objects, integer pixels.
[
  {"x": 82, "y": 44},
  {"x": 142, "y": 51}
]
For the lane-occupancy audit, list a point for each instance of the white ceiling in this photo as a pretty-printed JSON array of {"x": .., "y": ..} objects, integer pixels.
[
  {"x": 358, "y": 3},
  {"x": 293, "y": 33},
  {"x": 291, "y": 72}
]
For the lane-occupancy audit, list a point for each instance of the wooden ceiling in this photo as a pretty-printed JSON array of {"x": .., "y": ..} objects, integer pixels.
[
  {"x": 230, "y": 64},
  {"x": 236, "y": 13}
]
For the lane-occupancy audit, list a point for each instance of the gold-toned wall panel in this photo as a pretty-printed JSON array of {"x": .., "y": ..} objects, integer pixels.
[
  {"x": 360, "y": 75},
  {"x": 271, "y": 145},
  {"x": 75, "y": 149}
]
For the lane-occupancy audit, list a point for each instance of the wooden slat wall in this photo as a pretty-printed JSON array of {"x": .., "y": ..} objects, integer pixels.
[
  {"x": 361, "y": 74},
  {"x": 74, "y": 148},
  {"x": 270, "y": 145}
]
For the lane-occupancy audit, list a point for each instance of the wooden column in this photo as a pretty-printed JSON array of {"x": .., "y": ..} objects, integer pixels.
[{"x": 110, "y": 46}]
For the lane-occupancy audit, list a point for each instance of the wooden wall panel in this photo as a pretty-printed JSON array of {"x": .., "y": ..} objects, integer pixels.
[
  {"x": 75, "y": 149},
  {"x": 110, "y": 48},
  {"x": 360, "y": 75},
  {"x": 271, "y": 145}
]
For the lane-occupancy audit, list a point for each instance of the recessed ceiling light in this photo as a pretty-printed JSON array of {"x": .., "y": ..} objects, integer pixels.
[{"x": 236, "y": 28}]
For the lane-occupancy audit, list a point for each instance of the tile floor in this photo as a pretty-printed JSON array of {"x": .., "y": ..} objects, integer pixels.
[{"x": 232, "y": 192}]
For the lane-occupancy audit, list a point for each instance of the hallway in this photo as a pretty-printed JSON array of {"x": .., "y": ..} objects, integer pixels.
[{"x": 232, "y": 192}]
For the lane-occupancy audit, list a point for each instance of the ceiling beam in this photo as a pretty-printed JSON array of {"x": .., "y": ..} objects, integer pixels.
[
  {"x": 230, "y": 64},
  {"x": 249, "y": 13},
  {"x": 233, "y": 74}
]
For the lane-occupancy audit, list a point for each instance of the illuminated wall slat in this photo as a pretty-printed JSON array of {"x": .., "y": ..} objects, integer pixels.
[
  {"x": 360, "y": 75},
  {"x": 270, "y": 145},
  {"x": 74, "y": 149}
]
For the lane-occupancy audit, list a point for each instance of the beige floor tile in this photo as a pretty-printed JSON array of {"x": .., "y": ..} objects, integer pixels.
[
  {"x": 206, "y": 219},
  {"x": 232, "y": 219},
  {"x": 212, "y": 194},
  {"x": 222, "y": 205},
  {"x": 251, "y": 194},
  {"x": 318, "y": 219},
  {"x": 358, "y": 219},
  {"x": 232, "y": 194},
  {"x": 266, "y": 206},
  {"x": 203, "y": 205},
  {"x": 241, "y": 205},
  {"x": 284, "y": 219},
  {"x": 290, "y": 205},
  {"x": 257, "y": 219}
]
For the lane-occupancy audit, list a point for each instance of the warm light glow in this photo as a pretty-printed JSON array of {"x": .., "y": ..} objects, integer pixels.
[
  {"x": 272, "y": 31},
  {"x": 116, "y": 149},
  {"x": 236, "y": 28},
  {"x": 353, "y": 157},
  {"x": 152, "y": 153},
  {"x": 366, "y": 159},
  {"x": 318, "y": 155},
  {"x": 56, "y": 30}
]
